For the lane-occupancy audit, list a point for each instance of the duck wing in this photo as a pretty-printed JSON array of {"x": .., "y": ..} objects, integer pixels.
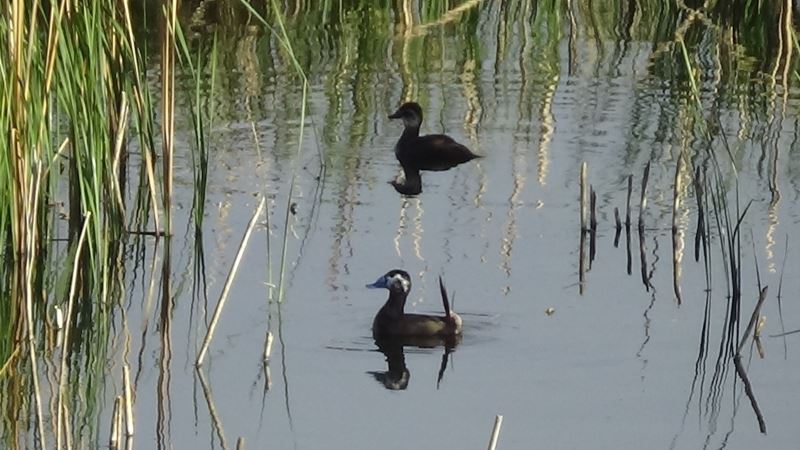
[
  {"x": 423, "y": 325},
  {"x": 435, "y": 152}
]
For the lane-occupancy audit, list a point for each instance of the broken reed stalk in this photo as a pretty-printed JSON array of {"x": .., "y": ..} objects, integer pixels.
[
  {"x": 126, "y": 378},
  {"x": 228, "y": 282},
  {"x": 628, "y": 202},
  {"x": 643, "y": 200},
  {"x": 617, "y": 221},
  {"x": 737, "y": 361},
  {"x": 120, "y": 418},
  {"x": 62, "y": 377},
  {"x": 212, "y": 409},
  {"x": 748, "y": 390},
  {"x": 753, "y": 319},
  {"x": 113, "y": 437},
  {"x": 498, "y": 422},
  {"x": 268, "y": 346},
  {"x": 584, "y": 195},
  {"x": 267, "y": 378}
]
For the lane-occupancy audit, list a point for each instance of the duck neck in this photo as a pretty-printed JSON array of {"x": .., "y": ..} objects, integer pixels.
[
  {"x": 395, "y": 304},
  {"x": 409, "y": 132}
]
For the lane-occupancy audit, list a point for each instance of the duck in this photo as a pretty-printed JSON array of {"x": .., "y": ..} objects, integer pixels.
[
  {"x": 433, "y": 152},
  {"x": 393, "y": 321}
]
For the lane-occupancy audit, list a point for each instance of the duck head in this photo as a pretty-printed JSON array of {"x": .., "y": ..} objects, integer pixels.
[
  {"x": 411, "y": 113},
  {"x": 396, "y": 281}
]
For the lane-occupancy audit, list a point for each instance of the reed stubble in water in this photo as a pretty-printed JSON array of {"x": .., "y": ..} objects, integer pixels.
[{"x": 498, "y": 422}]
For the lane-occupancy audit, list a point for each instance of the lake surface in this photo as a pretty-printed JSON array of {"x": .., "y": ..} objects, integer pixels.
[{"x": 573, "y": 355}]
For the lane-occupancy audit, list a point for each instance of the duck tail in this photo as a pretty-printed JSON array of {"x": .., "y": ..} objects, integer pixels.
[{"x": 445, "y": 302}]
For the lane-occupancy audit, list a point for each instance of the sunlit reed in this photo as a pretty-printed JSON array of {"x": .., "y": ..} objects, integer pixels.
[
  {"x": 229, "y": 282},
  {"x": 498, "y": 422}
]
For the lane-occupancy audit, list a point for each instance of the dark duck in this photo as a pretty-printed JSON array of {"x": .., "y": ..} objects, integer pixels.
[
  {"x": 393, "y": 322},
  {"x": 435, "y": 152}
]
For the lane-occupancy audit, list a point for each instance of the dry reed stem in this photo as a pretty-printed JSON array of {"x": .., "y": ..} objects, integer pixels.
[
  {"x": 737, "y": 362},
  {"x": 267, "y": 377},
  {"x": 118, "y": 144},
  {"x": 168, "y": 108},
  {"x": 268, "y": 346},
  {"x": 67, "y": 429},
  {"x": 228, "y": 282},
  {"x": 126, "y": 378},
  {"x": 31, "y": 238},
  {"x": 8, "y": 362},
  {"x": 212, "y": 409},
  {"x": 753, "y": 319},
  {"x": 148, "y": 157},
  {"x": 498, "y": 421},
  {"x": 151, "y": 184},
  {"x": 113, "y": 437},
  {"x": 62, "y": 376}
]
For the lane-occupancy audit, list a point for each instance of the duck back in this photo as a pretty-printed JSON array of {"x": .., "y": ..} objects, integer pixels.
[{"x": 434, "y": 152}]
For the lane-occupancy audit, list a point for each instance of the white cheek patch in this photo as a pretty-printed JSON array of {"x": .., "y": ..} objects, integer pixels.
[{"x": 400, "y": 280}]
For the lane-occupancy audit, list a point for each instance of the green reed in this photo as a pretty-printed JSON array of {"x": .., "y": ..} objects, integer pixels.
[
  {"x": 74, "y": 94},
  {"x": 203, "y": 73},
  {"x": 70, "y": 74}
]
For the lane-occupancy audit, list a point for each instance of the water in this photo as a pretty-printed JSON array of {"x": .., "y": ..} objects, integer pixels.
[{"x": 615, "y": 364}]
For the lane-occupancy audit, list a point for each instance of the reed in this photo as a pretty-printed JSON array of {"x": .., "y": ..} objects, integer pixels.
[
  {"x": 228, "y": 283},
  {"x": 202, "y": 115},
  {"x": 75, "y": 97},
  {"x": 498, "y": 422},
  {"x": 280, "y": 32},
  {"x": 68, "y": 118},
  {"x": 169, "y": 25}
]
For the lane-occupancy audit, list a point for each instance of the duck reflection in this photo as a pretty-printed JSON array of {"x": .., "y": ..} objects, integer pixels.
[
  {"x": 434, "y": 152},
  {"x": 410, "y": 184},
  {"x": 397, "y": 375}
]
